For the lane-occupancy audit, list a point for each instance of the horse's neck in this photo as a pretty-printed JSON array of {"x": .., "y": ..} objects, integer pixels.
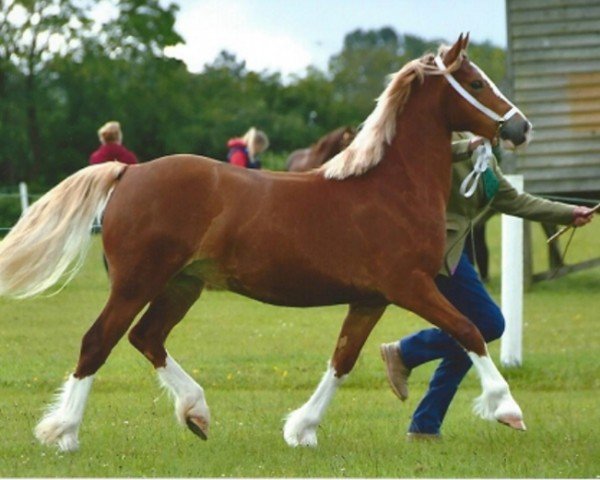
[{"x": 420, "y": 153}]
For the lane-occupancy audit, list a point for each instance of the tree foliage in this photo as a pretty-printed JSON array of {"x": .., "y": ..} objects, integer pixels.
[{"x": 63, "y": 75}]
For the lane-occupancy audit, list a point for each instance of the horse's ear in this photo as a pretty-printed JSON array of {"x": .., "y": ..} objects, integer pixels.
[
  {"x": 466, "y": 41},
  {"x": 454, "y": 52}
]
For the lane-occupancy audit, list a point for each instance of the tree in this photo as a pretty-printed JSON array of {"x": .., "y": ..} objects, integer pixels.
[
  {"x": 37, "y": 37},
  {"x": 360, "y": 69},
  {"x": 32, "y": 33},
  {"x": 140, "y": 29}
]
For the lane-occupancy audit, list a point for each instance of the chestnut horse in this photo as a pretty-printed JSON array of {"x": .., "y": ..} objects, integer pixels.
[
  {"x": 325, "y": 149},
  {"x": 366, "y": 229}
]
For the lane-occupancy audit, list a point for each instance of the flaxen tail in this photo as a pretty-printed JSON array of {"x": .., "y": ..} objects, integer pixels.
[{"x": 50, "y": 241}]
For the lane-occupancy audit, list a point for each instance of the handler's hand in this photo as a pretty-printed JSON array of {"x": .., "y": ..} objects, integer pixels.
[
  {"x": 582, "y": 216},
  {"x": 474, "y": 143}
]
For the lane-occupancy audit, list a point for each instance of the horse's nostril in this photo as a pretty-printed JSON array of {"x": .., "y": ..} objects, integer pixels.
[{"x": 526, "y": 127}]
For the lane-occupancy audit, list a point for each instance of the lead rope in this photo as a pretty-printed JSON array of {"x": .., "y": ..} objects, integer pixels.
[
  {"x": 483, "y": 156},
  {"x": 564, "y": 254},
  {"x": 563, "y": 230}
]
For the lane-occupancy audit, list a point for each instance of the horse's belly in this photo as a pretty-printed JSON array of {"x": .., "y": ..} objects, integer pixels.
[
  {"x": 282, "y": 285},
  {"x": 303, "y": 295}
]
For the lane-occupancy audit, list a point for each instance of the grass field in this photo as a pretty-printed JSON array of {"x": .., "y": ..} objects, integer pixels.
[{"x": 258, "y": 362}]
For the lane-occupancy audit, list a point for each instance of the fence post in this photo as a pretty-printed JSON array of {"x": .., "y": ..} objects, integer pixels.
[
  {"x": 24, "y": 197},
  {"x": 511, "y": 348}
]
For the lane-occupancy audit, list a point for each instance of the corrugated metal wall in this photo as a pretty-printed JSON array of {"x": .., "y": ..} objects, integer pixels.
[{"x": 554, "y": 68}]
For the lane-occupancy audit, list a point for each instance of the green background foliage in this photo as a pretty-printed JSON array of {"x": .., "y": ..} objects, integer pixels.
[{"x": 52, "y": 101}]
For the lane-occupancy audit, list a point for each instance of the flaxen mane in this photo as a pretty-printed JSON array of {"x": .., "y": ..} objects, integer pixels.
[{"x": 367, "y": 149}]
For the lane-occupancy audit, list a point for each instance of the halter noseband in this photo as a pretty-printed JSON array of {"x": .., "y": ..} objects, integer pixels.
[{"x": 470, "y": 98}]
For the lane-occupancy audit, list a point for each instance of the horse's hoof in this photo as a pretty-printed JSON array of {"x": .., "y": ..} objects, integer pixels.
[
  {"x": 513, "y": 422},
  {"x": 198, "y": 426}
]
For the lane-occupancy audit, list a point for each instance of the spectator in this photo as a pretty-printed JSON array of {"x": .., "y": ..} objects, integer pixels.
[
  {"x": 244, "y": 151},
  {"x": 110, "y": 136}
]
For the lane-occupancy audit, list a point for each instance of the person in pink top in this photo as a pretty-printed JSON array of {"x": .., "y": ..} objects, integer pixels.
[
  {"x": 110, "y": 136},
  {"x": 244, "y": 151}
]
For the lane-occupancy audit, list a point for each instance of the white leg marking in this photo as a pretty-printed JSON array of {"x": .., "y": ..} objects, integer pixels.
[
  {"x": 496, "y": 402},
  {"x": 301, "y": 425},
  {"x": 61, "y": 422},
  {"x": 189, "y": 396}
]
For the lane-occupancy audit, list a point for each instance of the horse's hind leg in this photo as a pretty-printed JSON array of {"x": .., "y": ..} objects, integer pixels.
[
  {"x": 301, "y": 425},
  {"x": 61, "y": 422},
  {"x": 149, "y": 335},
  {"x": 496, "y": 401}
]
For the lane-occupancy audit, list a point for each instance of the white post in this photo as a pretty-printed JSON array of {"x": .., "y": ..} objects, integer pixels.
[
  {"x": 511, "y": 349},
  {"x": 24, "y": 197}
]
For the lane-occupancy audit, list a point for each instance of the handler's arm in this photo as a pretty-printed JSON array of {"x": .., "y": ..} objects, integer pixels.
[{"x": 509, "y": 201}]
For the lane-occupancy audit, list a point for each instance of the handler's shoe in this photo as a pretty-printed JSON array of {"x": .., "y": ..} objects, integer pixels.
[
  {"x": 397, "y": 371},
  {"x": 423, "y": 437}
]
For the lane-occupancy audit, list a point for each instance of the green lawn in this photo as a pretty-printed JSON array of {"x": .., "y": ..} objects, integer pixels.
[{"x": 258, "y": 362}]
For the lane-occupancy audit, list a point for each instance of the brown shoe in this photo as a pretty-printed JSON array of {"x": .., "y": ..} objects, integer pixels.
[
  {"x": 423, "y": 437},
  {"x": 397, "y": 371}
]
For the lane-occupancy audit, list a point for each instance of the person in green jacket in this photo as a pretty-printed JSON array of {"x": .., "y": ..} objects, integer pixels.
[{"x": 461, "y": 285}]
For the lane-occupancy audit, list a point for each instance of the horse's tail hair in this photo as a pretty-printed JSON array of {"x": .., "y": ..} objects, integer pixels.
[{"x": 51, "y": 239}]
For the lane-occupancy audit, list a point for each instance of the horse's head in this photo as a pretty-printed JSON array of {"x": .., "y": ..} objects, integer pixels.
[{"x": 481, "y": 107}]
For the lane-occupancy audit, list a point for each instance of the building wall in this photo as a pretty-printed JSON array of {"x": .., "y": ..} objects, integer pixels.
[{"x": 554, "y": 71}]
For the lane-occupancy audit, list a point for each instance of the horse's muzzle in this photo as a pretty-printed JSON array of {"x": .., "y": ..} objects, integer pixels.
[{"x": 515, "y": 132}]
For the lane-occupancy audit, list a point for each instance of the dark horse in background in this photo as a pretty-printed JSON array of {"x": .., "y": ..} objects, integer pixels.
[
  {"x": 327, "y": 147},
  {"x": 367, "y": 230}
]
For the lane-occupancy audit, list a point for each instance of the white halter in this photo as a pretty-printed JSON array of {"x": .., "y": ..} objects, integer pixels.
[
  {"x": 470, "y": 98},
  {"x": 483, "y": 153}
]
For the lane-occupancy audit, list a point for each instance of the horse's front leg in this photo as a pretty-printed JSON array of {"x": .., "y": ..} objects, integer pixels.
[
  {"x": 496, "y": 402},
  {"x": 301, "y": 425}
]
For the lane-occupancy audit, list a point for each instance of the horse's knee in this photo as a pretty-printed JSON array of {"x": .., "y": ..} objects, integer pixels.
[
  {"x": 469, "y": 336},
  {"x": 343, "y": 366},
  {"x": 344, "y": 358}
]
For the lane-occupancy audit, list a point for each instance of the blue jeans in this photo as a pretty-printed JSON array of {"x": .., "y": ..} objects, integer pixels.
[{"x": 466, "y": 292}]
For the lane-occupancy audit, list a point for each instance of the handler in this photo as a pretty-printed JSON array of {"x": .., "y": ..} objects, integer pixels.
[{"x": 460, "y": 284}]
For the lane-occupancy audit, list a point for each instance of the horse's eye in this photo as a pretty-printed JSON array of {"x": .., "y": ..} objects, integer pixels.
[{"x": 477, "y": 84}]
